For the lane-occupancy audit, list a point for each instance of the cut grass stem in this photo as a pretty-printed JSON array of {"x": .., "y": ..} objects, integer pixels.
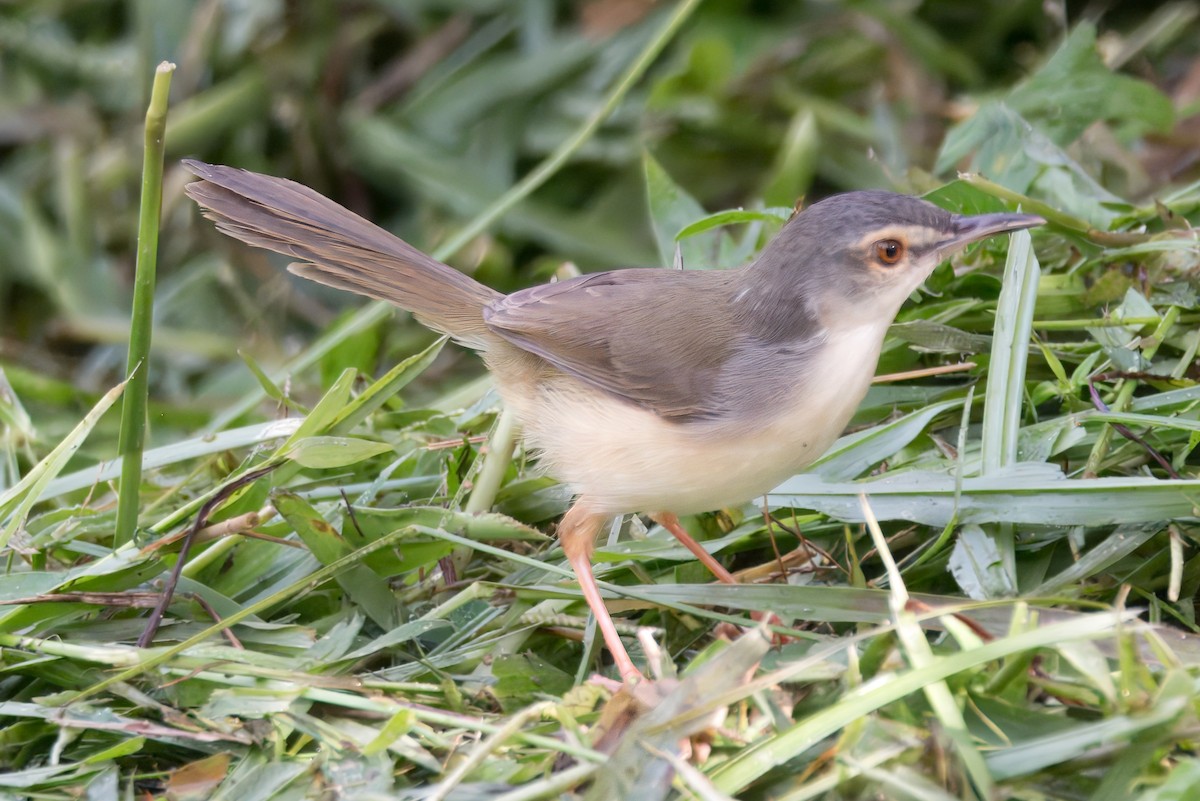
[{"x": 137, "y": 368}]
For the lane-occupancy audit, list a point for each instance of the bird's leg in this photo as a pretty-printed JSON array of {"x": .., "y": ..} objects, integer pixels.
[
  {"x": 577, "y": 533},
  {"x": 671, "y": 523}
]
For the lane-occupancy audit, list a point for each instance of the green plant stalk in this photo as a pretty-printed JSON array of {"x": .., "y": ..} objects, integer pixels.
[
  {"x": 377, "y": 312},
  {"x": 456, "y": 720},
  {"x": 1083, "y": 324},
  {"x": 1188, "y": 356},
  {"x": 500, "y": 450},
  {"x": 1105, "y": 435},
  {"x": 1125, "y": 395},
  {"x": 132, "y": 439},
  {"x": 1002, "y": 404},
  {"x": 553, "y": 786},
  {"x": 501, "y": 445},
  {"x": 845, "y": 770},
  {"x": 1054, "y": 216},
  {"x": 948, "y": 530}
]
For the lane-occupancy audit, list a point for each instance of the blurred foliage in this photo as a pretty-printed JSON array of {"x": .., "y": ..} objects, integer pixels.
[
  {"x": 351, "y": 669},
  {"x": 416, "y": 114}
]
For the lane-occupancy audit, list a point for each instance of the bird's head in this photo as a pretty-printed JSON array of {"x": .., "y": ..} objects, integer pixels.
[{"x": 865, "y": 252}]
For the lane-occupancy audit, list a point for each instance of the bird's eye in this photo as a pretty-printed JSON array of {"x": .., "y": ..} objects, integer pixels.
[{"x": 889, "y": 251}]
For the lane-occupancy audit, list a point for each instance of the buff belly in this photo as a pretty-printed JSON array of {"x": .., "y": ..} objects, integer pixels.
[{"x": 618, "y": 457}]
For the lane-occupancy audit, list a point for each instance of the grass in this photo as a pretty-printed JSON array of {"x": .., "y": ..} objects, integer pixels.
[{"x": 345, "y": 585}]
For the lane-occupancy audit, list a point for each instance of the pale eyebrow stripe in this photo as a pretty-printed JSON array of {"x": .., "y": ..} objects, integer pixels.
[{"x": 925, "y": 238}]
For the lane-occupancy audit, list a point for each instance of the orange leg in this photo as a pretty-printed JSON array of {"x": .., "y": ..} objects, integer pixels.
[
  {"x": 577, "y": 533},
  {"x": 671, "y": 523}
]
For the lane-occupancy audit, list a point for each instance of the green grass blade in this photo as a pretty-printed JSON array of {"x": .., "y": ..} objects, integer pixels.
[
  {"x": 1005, "y": 397},
  {"x": 1009, "y": 354},
  {"x": 16, "y": 502},
  {"x": 1030, "y": 493}
]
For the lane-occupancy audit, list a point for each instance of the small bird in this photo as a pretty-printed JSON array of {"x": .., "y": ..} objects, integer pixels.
[{"x": 664, "y": 392}]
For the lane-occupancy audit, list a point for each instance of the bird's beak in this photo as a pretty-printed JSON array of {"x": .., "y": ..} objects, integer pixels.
[{"x": 968, "y": 228}]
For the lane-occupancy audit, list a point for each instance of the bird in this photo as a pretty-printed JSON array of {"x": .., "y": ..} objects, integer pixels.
[{"x": 659, "y": 391}]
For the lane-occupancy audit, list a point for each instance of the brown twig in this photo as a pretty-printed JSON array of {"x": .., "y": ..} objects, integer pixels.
[
  {"x": 201, "y": 519},
  {"x": 924, "y": 372},
  {"x": 1124, "y": 430},
  {"x": 228, "y": 632}
]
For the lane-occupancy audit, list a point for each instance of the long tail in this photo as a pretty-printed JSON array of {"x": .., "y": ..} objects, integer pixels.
[{"x": 338, "y": 248}]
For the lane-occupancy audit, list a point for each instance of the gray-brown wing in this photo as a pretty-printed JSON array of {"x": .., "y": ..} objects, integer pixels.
[{"x": 655, "y": 338}]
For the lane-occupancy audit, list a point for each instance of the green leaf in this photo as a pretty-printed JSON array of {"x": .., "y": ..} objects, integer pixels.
[
  {"x": 672, "y": 210},
  {"x": 319, "y": 452},
  {"x": 178, "y": 452},
  {"x": 1180, "y": 785},
  {"x": 854, "y": 453},
  {"x": 1020, "y": 140},
  {"x": 977, "y": 565},
  {"x": 257, "y": 778},
  {"x": 523, "y": 678},
  {"x": 1030, "y": 756},
  {"x": 930, "y": 337},
  {"x": 1007, "y": 149},
  {"x": 753, "y": 761},
  {"x": 375, "y": 522},
  {"x": 360, "y": 408},
  {"x": 796, "y": 162},
  {"x": 398, "y": 636},
  {"x": 361, "y": 584},
  {"x": 1123, "y": 541},
  {"x": 332, "y": 404},
  {"x": 269, "y": 387},
  {"x": 1075, "y": 89},
  {"x": 733, "y": 217}
]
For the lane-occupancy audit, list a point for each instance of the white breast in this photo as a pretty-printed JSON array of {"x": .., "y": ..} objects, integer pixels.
[{"x": 621, "y": 458}]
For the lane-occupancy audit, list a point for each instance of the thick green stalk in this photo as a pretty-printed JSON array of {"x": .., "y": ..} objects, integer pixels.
[
  {"x": 501, "y": 444},
  {"x": 133, "y": 407}
]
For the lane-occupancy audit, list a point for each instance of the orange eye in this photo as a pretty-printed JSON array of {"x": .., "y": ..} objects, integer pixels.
[{"x": 889, "y": 251}]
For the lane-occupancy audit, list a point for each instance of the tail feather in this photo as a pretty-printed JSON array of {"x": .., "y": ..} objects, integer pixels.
[{"x": 338, "y": 248}]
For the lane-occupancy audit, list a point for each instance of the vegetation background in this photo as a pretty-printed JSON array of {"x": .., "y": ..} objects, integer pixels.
[{"x": 346, "y": 625}]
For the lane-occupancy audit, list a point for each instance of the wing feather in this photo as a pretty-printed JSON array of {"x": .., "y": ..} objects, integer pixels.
[{"x": 655, "y": 338}]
